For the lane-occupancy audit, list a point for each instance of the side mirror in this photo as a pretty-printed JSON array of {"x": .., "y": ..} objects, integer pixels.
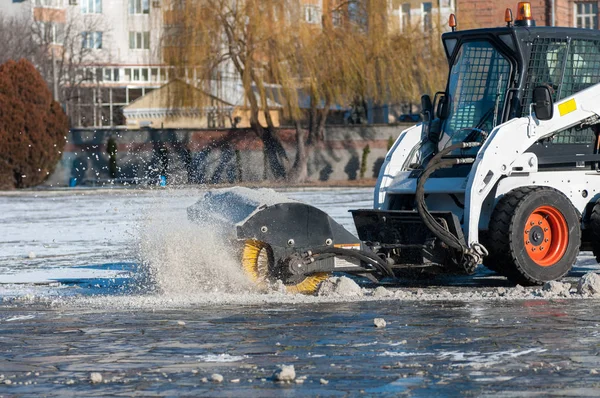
[
  {"x": 426, "y": 107},
  {"x": 543, "y": 105},
  {"x": 441, "y": 111}
]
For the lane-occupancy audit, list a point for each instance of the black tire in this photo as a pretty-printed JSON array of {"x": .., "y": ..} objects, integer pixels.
[
  {"x": 594, "y": 225},
  {"x": 494, "y": 261},
  {"x": 523, "y": 221}
]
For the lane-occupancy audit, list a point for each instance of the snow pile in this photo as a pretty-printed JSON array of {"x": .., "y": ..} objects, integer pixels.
[
  {"x": 260, "y": 196},
  {"x": 556, "y": 288},
  {"x": 339, "y": 286},
  {"x": 589, "y": 284},
  {"x": 381, "y": 291}
]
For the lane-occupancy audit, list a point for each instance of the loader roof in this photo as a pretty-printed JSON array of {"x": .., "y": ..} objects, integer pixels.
[
  {"x": 521, "y": 35},
  {"x": 516, "y": 41},
  {"x": 558, "y": 31}
]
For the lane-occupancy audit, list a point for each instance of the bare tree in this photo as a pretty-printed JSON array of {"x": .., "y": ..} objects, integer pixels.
[
  {"x": 349, "y": 55},
  {"x": 62, "y": 51},
  {"x": 65, "y": 57},
  {"x": 17, "y": 41}
]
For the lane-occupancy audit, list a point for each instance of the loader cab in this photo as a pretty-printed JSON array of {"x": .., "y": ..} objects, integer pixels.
[
  {"x": 485, "y": 72},
  {"x": 492, "y": 75},
  {"x": 482, "y": 68}
]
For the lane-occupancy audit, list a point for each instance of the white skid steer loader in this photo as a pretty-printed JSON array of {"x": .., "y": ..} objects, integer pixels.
[{"x": 504, "y": 171}]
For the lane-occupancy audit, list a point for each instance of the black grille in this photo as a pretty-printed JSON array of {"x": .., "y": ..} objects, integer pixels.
[
  {"x": 567, "y": 67},
  {"x": 481, "y": 73},
  {"x": 583, "y": 67},
  {"x": 574, "y": 136},
  {"x": 545, "y": 67}
]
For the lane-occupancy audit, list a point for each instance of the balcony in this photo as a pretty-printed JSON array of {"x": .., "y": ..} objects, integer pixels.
[{"x": 53, "y": 4}]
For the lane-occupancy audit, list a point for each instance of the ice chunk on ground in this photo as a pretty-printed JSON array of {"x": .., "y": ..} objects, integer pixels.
[
  {"x": 217, "y": 378},
  {"x": 557, "y": 288},
  {"x": 285, "y": 373},
  {"x": 379, "y": 322},
  {"x": 381, "y": 292},
  {"x": 95, "y": 378},
  {"x": 589, "y": 284},
  {"x": 220, "y": 358},
  {"x": 339, "y": 286}
]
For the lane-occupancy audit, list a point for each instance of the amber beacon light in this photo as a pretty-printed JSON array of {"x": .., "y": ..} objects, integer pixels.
[
  {"x": 452, "y": 22},
  {"x": 508, "y": 17},
  {"x": 524, "y": 17}
]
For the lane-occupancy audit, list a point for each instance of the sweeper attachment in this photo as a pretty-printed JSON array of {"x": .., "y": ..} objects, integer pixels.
[
  {"x": 281, "y": 239},
  {"x": 277, "y": 238},
  {"x": 504, "y": 171}
]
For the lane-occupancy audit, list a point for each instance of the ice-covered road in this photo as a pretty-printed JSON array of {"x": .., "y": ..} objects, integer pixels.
[
  {"x": 72, "y": 303},
  {"x": 64, "y": 231}
]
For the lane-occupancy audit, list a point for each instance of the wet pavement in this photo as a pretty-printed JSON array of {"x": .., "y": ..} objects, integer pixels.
[
  {"x": 68, "y": 308},
  {"x": 528, "y": 348}
]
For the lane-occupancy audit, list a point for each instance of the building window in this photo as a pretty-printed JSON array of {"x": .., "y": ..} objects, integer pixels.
[
  {"x": 92, "y": 40},
  {"x": 139, "y": 40},
  {"x": 139, "y": 7},
  {"x": 426, "y": 17},
  {"x": 137, "y": 75},
  {"x": 405, "y": 17},
  {"x": 312, "y": 14},
  {"x": 49, "y": 3},
  {"x": 155, "y": 73},
  {"x": 88, "y": 74},
  {"x": 111, "y": 75},
  {"x": 586, "y": 15},
  {"x": 91, "y": 6},
  {"x": 336, "y": 17},
  {"x": 51, "y": 32}
]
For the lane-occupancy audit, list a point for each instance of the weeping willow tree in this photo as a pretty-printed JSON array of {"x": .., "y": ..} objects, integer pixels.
[{"x": 280, "y": 60}]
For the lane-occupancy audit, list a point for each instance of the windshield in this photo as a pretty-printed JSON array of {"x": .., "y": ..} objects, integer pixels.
[{"x": 476, "y": 92}]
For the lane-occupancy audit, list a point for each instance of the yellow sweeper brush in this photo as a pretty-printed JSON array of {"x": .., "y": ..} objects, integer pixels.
[
  {"x": 258, "y": 262},
  {"x": 281, "y": 239}
]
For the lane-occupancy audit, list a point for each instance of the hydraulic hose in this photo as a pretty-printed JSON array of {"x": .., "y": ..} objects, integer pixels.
[
  {"x": 437, "y": 163},
  {"x": 426, "y": 216},
  {"x": 445, "y": 151},
  {"x": 362, "y": 255}
]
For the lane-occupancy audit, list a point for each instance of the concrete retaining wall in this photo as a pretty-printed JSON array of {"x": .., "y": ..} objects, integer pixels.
[{"x": 214, "y": 156}]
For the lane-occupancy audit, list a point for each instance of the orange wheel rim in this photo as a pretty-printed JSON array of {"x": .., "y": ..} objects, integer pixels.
[{"x": 546, "y": 236}]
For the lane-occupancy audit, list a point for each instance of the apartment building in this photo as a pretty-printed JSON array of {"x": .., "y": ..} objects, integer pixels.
[
  {"x": 416, "y": 15},
  {"x": 570, "y": 13},
  {"x": 121, "y": 56},
  {"x": 117, "y": 47}
]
